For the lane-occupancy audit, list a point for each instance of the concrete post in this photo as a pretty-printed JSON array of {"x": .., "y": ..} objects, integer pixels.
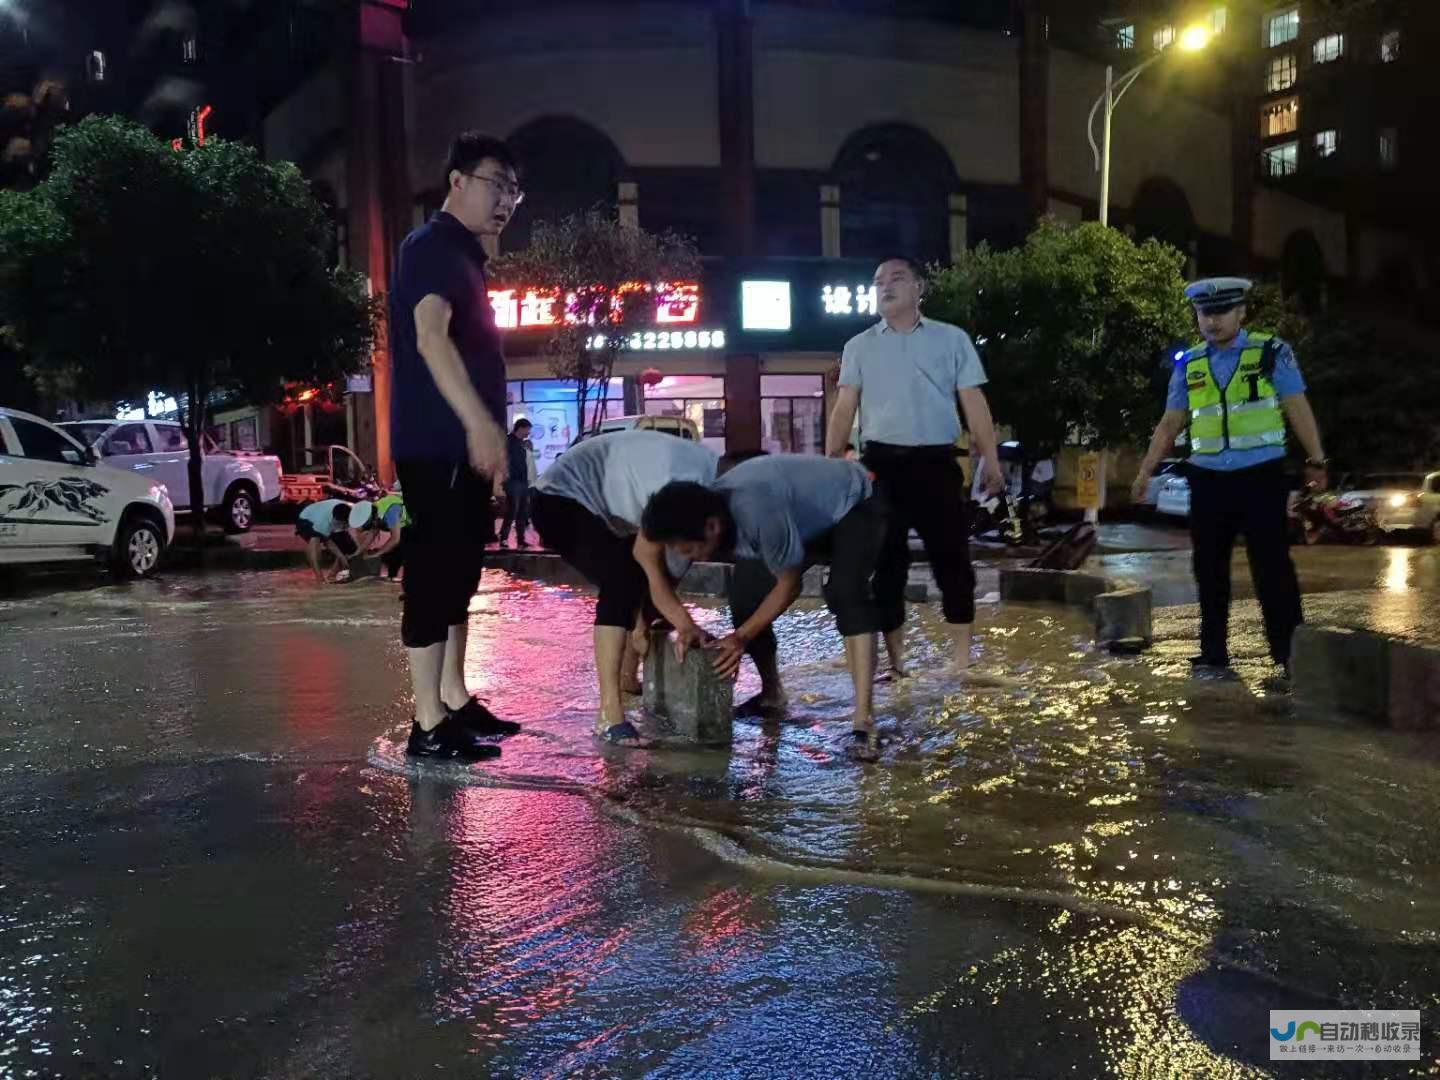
[
  {"x": 629, "y": 200},
  {"x": 377, "y": 174},
  {"x": 686, "y": 700},
  {"x": 830, "y": 221},
  {"x": 959, "y": 226}
]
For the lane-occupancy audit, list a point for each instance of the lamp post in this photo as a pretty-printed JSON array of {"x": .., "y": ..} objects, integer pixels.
[{"x": 1193, "y": 39}]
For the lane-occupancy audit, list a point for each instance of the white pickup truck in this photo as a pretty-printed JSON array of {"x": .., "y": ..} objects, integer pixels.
[{"x": 237, "y": 483}]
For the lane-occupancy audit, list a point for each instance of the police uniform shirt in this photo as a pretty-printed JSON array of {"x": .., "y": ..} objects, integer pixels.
[{"x": 1223, "y": 362}]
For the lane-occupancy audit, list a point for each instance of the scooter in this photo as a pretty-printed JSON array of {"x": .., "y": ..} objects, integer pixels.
[
  {"x": 1010, "y": 519},
  {"x": 1320, "y": 516}
]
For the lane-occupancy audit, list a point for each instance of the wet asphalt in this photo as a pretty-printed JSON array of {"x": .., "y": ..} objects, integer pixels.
[{"x": 218, "y": 863}]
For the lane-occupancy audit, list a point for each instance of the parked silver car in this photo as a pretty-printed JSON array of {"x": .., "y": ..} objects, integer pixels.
[{"x": 1400, "y": 501}]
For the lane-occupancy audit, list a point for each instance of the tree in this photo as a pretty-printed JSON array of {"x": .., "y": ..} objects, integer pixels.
[
  {"x": 608, "y": 275},
  {"x": 1073, "y": 327},
  {"x": 1368, "y": 380},
  {"x": 133, "y": 267}
]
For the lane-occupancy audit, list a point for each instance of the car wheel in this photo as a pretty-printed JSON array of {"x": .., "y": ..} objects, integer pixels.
[
  {"x": 240, "y": 504},
  {"x": 139, "y": 543}
]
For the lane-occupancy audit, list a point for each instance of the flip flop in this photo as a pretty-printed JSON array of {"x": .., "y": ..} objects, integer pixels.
[
  {"x": 626, "y": 736},
  {"x": 863, "y": 746}
]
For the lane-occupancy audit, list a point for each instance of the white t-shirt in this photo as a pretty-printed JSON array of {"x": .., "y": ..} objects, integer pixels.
[{"x": 614, "y": 475}]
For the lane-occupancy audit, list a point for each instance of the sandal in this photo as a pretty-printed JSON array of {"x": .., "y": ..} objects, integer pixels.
[
  {"x": 626, "y": 736},
  {"x": 863, "y": 746}
]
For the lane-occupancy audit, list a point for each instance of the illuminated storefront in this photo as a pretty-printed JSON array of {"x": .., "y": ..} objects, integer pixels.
[{"x": 749, "y": 353}]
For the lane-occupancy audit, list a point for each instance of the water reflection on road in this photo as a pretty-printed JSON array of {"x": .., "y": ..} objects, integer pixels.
[{"x": 1094, "y": 865}]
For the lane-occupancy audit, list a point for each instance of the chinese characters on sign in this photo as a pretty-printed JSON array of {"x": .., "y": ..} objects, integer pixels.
[
  {"x": 525, "y": 308},
  {"x": 1352, "y": 1035},
  {"x": 844, "y": 300}
]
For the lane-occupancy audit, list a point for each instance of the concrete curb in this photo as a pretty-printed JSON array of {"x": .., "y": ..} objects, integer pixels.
[
  {"x": 1123, "y": 615},
  {"x": 1380, "y": 678}
]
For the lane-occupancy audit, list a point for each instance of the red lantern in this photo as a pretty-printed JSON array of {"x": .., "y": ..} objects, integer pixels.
[{"x": 650, "y": 377}]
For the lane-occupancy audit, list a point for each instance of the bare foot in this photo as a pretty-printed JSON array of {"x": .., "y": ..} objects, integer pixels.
[
  {"x": 763, "y": 705},
  {"x": 892, "y": 674}
]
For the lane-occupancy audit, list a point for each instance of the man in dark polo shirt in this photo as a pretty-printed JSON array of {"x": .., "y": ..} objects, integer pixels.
[
  {"x": 905, "y": 376},
  {"x": 447, "y": 436}
]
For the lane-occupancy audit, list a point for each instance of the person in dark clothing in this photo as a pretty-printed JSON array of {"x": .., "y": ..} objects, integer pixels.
[
  {"x": 447, "y": 437},
  {"x": 518, "y": 478}
]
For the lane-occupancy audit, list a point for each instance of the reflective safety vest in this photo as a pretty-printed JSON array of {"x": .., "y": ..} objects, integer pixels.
[
  {"x": 1246, "y": 415},
  {"x": 385, "y": 502}
]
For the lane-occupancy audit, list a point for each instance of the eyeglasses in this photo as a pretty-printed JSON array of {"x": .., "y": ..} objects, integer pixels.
[{"x": 513, "y": 190}]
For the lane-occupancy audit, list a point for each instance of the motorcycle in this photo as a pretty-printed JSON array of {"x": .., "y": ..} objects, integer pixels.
[
  {"x": 1320, "y": 516},
  {"x": 1013, "y": 521}
]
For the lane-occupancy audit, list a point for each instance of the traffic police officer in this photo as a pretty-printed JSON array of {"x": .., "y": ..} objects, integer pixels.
[{"x": 1236, "y": 391}]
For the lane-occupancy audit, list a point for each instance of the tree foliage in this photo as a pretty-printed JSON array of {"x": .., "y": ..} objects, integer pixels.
[
  {"x": 134, "y": 267},
  {"x": 603, "y": 277},
  {"x": 1073, "y": 327},
  {"x": 1370, "y": 383}
]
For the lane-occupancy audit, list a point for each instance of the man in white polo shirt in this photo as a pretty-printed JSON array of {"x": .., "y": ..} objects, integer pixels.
[{"x": 904, "y": 375}]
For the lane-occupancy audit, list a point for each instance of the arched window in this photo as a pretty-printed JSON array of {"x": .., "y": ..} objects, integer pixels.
[
  {"x": 566, "y": 167},
  {"x": 895, "y": 183},
  {"x": 1162, "y": 212}
]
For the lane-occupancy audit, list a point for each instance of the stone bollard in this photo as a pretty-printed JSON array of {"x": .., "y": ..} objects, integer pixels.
[
  {"x": 686, "y": 700},
  {"x": 1123, "y": 619}
]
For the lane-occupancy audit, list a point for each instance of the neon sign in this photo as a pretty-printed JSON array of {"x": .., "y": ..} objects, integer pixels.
[
  {"x": 530, "y": 308},
  {"x": 844, "y": 300}
]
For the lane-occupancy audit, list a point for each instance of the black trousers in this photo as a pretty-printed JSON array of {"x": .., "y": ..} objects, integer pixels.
[
  {"x": 853, "y": 549},
  {"x": 394, "y": 559},
  {"x": 1249, "y": 502},
  {"x": 517, "y": 510},
  {"x": 607, "y": 560},
  {"x": 450, "y": 524},
  {"x": 925, "y": 490}
]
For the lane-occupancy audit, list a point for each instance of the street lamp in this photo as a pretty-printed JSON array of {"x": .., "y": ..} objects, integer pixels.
[{"x": 1193, "y": 39}]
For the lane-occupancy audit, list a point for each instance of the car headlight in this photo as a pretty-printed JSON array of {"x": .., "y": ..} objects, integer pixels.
[{"x": 1404, "y": 500}]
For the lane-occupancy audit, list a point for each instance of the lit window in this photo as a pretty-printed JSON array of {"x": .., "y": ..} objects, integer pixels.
[
  {"x": 1281, "y": 73},
  {"x": 1219, "y": 18},
  {"x": 1164, "y": 37},
  {"x": 1281, "y": 118},
  {"x": 189, "y": 50},
  {"x": 1282, "y": 26},
  {"x": 1125, "y": 36},
  {"x": 1328, "y": 48},
  {"x": 95, "y": 66},
  {"x": 1281, "y": 160},
  {"x": 1327, "y": 143},
  {"x": 1390, "y": 46},
  {"x": 1389, "y": 148}
]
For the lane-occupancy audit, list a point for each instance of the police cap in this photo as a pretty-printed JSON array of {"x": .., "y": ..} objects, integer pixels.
[{"x": 1218, "y": 294}]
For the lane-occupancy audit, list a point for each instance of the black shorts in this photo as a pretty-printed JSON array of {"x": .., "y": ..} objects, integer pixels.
[
  {"x": 587, "y": 543},
  {"x": 450, "y": 523},
  {"x": 342, "y": 539}
]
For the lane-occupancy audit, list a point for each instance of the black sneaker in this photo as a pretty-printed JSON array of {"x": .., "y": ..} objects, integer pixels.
[
  {"x": 481, "y": 721},
  {"x": 449, "y": 739},
  {"x": 1203, "y": 661}
]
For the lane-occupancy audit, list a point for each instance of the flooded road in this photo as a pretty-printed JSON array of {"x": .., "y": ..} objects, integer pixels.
[{"x": 218, "y": 862}]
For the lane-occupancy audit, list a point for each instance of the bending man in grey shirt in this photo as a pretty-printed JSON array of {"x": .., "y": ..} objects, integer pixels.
[{"x": 785, "y": 512}]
